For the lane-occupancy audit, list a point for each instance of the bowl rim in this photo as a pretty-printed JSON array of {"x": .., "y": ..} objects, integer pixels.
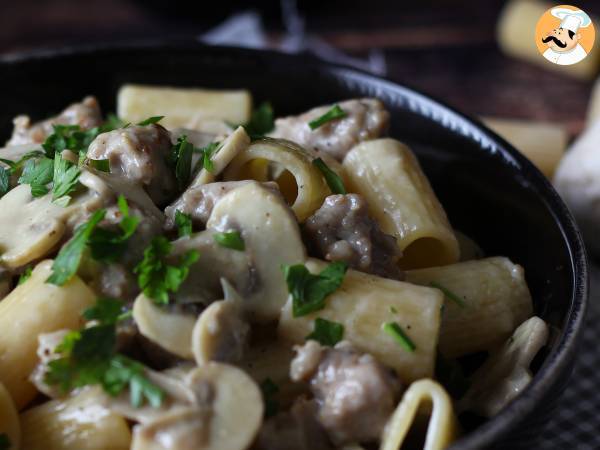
[{"x": 558, "y": 360}]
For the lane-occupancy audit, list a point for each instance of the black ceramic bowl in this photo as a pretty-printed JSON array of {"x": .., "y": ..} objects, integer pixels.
[{"x": 489, "y": 190}]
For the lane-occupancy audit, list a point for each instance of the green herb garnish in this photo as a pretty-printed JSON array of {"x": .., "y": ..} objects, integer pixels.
[
  {"x": 108, "y": 245},
  {"x": 68, "y": 259},
  {"x": 269, "y": 390},
  {"x": 396, "y": 332},
  {"x": 449, "y": 294},
  {"x": 184, "y": 223},
  {"x": 334, "y": 113},
  {"x": 37, "y": 173},
  {"x": 327, "y": 332},
  {"x": 262, "y": 121},
  {"x": 393, "y": 310},
  {"x": 4, "y": 181},
  {"x": 103, "y": 165},
  {"x": 333, "y": 180},
  {"x": 66, "y": 177},
  {"x": 207, "y": 154},
  {"x": 89, "y": 357},
  {"x": 25, "y": 275},
  {"x": 309, "y": 291},
  {"x": 230, "y": 239},
  {"x": 156, "y": 278},
  {"x": 181, "y": 161},
  {"x": 150, "y": 121}
]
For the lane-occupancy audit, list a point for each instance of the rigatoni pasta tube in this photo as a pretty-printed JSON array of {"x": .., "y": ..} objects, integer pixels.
[
  {"x": 9, "y": 419},
  {"x": 33, "y": 308},
  {"x": 363, "y": 304},
  {"x": 494, "y": 300},
  {"x": 183, "y": 107},
  {"x": 423, "y": 396},
  {"x": 76, "y": 423},
  {"x": 400, "y": 198}
]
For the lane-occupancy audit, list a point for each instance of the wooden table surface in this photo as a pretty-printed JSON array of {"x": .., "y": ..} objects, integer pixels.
[{"x": 445, "y": 48}]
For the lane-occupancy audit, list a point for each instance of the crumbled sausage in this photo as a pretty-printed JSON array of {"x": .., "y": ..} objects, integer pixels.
[
  {"x": 355, "y": 393},
  {"x": 365, "y": 119},
  {"x": 139, "y": 153},
  {"x": 341, "y": 230},
  {"x": 85, "y": 114}
]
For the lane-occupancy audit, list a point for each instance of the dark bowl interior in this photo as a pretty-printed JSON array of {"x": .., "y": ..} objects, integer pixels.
[{"x": 488, "y": 189}]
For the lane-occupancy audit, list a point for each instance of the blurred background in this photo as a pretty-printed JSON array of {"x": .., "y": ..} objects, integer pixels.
[{"x": 447, "y": 48}]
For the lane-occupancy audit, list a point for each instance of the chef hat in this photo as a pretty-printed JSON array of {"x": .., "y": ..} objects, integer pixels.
[{"x": 571, "y": 19}]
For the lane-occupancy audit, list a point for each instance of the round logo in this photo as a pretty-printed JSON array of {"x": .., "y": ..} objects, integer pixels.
[{"x": 564, "y": 35}]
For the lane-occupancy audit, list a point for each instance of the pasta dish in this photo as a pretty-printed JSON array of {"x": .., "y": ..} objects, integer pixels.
[{"x": 192, "y": 273}]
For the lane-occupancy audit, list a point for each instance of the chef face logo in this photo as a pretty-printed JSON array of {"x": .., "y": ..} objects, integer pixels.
[{"x": 564, "y": 35}]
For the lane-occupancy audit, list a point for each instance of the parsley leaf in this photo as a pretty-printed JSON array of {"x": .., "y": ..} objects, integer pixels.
[
  {"x": 25, "y": 275},
  {"x": 327, "y": 332},
  {"x": 106, "y": 311},
  {"x": 37, "y": 173},
  {"x": 15, "y": 166},
  {"x": 230, "y": 239},
  {"x": 269, "y": 389},
  {"x": 108, "y": 245},
  {"x": 333, "y": 180},
  {"x": 308, "y": 290},
  {"x": 67, "y": 261},
  {"x": 397, "y": 333},
  {"x": 181, "y": 160},
  {"x": 88, "y": 357},
  {"x": 184, "y": 223},
  {"x": 261, "y": 121},
  {"x": 60, "y": 139},
  {"x": 4, "y": 181},
  {"x": 4, "y": 442},
  {"x": 156, "y": 278},
  {"x": 334, "y": 113},
  {"x": 103, "y": 165},
  {"x": 150, "y": 121},
  {"x": 207, "y": 154},
  {"x": 112, "y": 122},
  {"x": 449, "y": 294},
  {"x": 66, "y": 177}
]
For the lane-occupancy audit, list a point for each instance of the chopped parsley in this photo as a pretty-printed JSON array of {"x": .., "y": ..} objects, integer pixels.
[
  {"x": 106, "y": 310},
  {"x": 181, "y": 161},
  {"x": 103, "y": 165},
  {"x": 156, "y": 278},
  {"x": 25, "y": 275},
  {"x": 184, "y": 223},
  {"x": 4, "y": 442},
  {"x": 395, "y": 331},
  {"x": 37, "y": 173},
  {"x": 15, "y": 166},
  {"x": 69, "y": 257},
  {"x": 333, "y": 180},
  {"x": 150, "y": 121},
  {"x": 449, "y": 294},
  {"x": 230, "y": 239},
  {"x": 70, "y": 137},
  {"x": 327, "y": 332},
  {"x": 262, "y": 121},
  {"x": 393, "y": 310},
  {"x": 309, "y": 291},
  {"x": 269, "y": 390},
  {"x": 4, "y": 181},
  {"x": 207, "y": 154},
  {"x": 108, "y": 245},
  {"x": 334, "y": 113},
  {"x": 66, "y": 178},
  {"x": 89, "y": 357},
  {"x": 112, "y": 122}
]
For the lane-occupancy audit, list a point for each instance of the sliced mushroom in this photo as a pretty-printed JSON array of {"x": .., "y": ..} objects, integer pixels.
[
  {"x": 265, "y": 222},
  {"x": 235, "y": 143},
  {"x": 226, "y": 414},
  {"x": 221, "y": 333},
  {"x": 203, "y": 283},
  {"x": 172, "y": 331}
]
